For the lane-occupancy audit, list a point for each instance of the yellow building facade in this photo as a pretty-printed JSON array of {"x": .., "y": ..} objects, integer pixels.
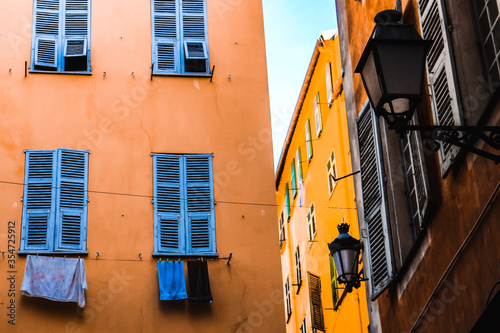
[
  {"x": 311, "y": 203},
  {"x": 122, "y": 145}
]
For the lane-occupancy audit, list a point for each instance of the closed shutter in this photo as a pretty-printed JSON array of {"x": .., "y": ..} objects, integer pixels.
[
  {"x": 168, "y": 204},
  {"x": 71, "y": 218},
  {"x": 76, "y": 28},
  {"x": 166, "y": 39},
  {"x": 200, "y": 207},
  {"x": 38, "y": 201},
  {"x": 440, "y": 74},
  {"x": 317, "y": 320},
  {"x": 374, "y": 203},
  {"x": 46, "y": 39}
]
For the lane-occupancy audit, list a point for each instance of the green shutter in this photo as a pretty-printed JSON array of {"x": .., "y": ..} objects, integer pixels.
[
  {"x": 287, "y": 201},
  {"x": 334, "y": 283},
  {"x": 294, "y": 179}
]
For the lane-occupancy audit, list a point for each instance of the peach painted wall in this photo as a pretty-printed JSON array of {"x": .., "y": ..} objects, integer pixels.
[
  {"x": 122, "y": 118},
  {"x": 330, "y": 210}
]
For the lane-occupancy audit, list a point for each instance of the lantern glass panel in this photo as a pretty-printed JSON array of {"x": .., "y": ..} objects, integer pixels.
[
  {"x": 371, "y": 80},
  {"x": 402, "y": 68},
  {"x": 399, "y": 105},
  {"x": 346, "y": 263}
]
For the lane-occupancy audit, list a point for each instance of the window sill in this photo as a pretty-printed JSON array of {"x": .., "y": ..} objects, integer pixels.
[
  {"x": 201, "y": 75},
  {"x": 187, "y": 256},
  {"x": 23, "y": 253},
  {"x": 60, "y": 73}
]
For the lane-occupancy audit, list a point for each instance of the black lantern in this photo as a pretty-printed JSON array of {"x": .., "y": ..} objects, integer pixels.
[
  {"x": 392, "y": 67},
  {"x": 345, "y": 251}
]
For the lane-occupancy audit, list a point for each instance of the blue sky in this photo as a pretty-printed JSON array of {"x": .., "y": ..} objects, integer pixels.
[{"x": 292, "y": 28}]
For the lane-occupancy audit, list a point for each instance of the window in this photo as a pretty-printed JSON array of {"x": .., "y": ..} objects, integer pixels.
[
  {"x": 309, "y": 146},
  {"x": 334, "y": 283},
  {"x": 297, "y": 269},
  {"x": 55, "y": 201},
  {"x": 331, "y": 170},
  {"x": 183, "y": 204},
  {"x": 317, "y": 320},
  {"x": 61, "y": 36},
  {"x": 180, "y": 37},
  {"x": 489, "y": 31},
  {"x": 311, "y": 222},
  {"x": 329, "y": 82},
  {"x": 303, "y": 327},
  {"x": 288, "y": 300},
  {"x": 443, "y": 88},
  {"x": 317, "y": 115},
  {"x": 282, "y": 228},
  {"x": 389, "y": 242},
  {"x": 294, "y": 179},
  {"x": 300, "y": 174}
]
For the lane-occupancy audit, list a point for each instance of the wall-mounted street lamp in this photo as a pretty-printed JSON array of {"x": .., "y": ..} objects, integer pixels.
[
  {"x": 345, "y": 251},
  {"x": 392, "y": 68}
]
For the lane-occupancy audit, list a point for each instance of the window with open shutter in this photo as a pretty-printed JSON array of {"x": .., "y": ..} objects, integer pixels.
[
  {"x": 317, "y": 115},
  {"x": 180, "y": 37},
  {"x": 443, "y": 87},
  {"x": 317, "y": 320},
  {"x": 288, "y": 300},
  {"x": 293, "y": 179},
  {"x": 298, "y": 270},
  {"x": 55, "y": 201},
  {"x": 374, "y": 203},
  {"x": 184, "y": 204},
  {"x": 309, "y": 146},
  {"x": 61, "y": 36}
]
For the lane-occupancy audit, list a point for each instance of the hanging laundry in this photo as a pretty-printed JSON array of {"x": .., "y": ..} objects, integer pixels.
[
  {"x": 199, "y": 283},
  {"x": 171, "y": 280},
  {"x": 57, "y": 279}
]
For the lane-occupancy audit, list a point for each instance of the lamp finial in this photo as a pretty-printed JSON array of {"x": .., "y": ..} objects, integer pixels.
[{"x": 343, "y": 228}]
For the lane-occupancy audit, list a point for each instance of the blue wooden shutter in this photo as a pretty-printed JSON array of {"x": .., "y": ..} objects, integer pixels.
[
  {"x": 71, "y": 218},
  {"x": 38, "y": 201},
  {"x": 166, "y": 39},
  {"x": 76, "y": 28},
  {"x": 374, "y": 204},
  {"x": 168, "y": 204},
  {"x": 46, "y": 32},
  {"x": 200, "y": 204},
  {"x": 194, "y": 33}
]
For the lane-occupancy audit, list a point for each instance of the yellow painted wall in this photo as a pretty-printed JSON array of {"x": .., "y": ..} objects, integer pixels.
[
  {"x": 352, "y": 315},
  {"x": 122, "y": 118}
]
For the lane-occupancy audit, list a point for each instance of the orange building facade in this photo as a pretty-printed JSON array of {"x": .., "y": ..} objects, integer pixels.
[
  {"x": 311, "y": 204},
  {"x": 133, "y": 132},
  {"x": 431, "y": 218}
]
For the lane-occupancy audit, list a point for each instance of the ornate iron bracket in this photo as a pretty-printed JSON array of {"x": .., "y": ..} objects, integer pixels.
[{"x": 464, "y": 137}]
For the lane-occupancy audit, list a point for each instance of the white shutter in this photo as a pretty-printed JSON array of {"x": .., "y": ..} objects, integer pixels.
[
  {"x": 374, "y": 204},
  {"x": 440, "y": 74}
]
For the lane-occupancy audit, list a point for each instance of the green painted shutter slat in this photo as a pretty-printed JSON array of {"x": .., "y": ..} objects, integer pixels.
[
  {"x": 334, "y": 283},
  {"x": 71, "y": 219},
  {"x": 317, "y": 319},
  {"x": 443, "y": 87},
  {"x": 374, "y": 203},
  {"x": 38, "y": 203}
]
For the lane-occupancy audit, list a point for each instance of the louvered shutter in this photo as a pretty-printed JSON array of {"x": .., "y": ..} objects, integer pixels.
[
  {"x": 46, "y": 38},
  {"x": 194, "y": 30},
  {"x": 374, "y": 203},
  {"x": 440, "y": 74},
  {"x": 168, "y": 204},
  {"x": 294, "y": 179},
  {"x": 72, "y": 197},
  {"x": 317, "y": 320},
  {"x": 166, "y": 37},
  {"x": 200, "y": 204},
  {"x": 76, "y": 28},
  {"x": 38, "y": 201},
  {"x": 334, "y": 283}
]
